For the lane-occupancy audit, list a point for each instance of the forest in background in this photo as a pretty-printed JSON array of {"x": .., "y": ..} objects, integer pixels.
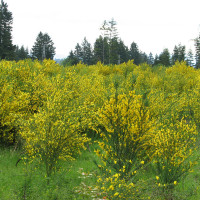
[{"x": 108, "y": 48}]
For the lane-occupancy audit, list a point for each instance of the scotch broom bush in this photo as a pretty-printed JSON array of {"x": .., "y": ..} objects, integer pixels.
[
  {"x": 127, "y": 126},
  {"x": 52, "y": 133}
]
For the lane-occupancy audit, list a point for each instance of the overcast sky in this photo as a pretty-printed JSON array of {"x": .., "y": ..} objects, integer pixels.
[{"x": 152, "y": 24}]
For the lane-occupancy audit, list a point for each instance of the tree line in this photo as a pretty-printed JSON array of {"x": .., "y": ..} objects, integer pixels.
[
  {"x": 42, "y": 48},
  {"x": 108, "y": 48}
]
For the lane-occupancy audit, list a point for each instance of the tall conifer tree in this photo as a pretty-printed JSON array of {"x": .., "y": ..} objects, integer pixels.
[
  {"x": 43, "y": 47},
  {"x": 197, "y": 48},
  {"x": 190, "y": 58},
  {"x": 6, "y": 20},
  {"x": 134, "y": 53},
  {"x": 164, "y": 58},
  {"x": 87, "y": 52},
  {"x": 178, "y": 54}
]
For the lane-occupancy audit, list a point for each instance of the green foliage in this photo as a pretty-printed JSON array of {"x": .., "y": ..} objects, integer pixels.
[
  {"x": 125, "y": 136},
  {"x": 70, "y": 60},
  {"x": 43, "y": 47},
  {"x": 6, "y": 20},
  {"x": 197, "y": 47},
  {"x": 21, "y": 53},
  {"x": 178, "y": 54},
  {"x": 164, "y": 58}
]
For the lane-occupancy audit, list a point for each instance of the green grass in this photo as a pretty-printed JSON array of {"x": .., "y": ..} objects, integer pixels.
[
  {"x": 73, "y": 179},
  {"x": 26, "y": 182}
]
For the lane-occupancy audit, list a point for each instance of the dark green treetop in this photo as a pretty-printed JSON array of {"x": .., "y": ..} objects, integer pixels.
[
  {"x": 43, "y": 47},
  {"x": 164, "y": 58},
  {"x": 6, "y": 20},
  {"x": 197, "y": 48},
  {"x": 178, "y": 54}
]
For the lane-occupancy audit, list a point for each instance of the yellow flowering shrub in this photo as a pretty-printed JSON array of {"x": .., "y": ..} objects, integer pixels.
[
  {"x": 52, "y": 133},
  {"x": 173, "y": 145},
  {"x": 125, "y": 132},
  {"x": 13, "y": 104},
  {"x": 115, "y": 187}
]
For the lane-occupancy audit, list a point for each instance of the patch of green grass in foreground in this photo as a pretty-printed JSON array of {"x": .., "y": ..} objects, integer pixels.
[{"x": 28, "y": 182}]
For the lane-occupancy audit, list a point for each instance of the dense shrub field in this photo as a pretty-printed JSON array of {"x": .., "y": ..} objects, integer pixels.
[{"x": 143, "y": 121}]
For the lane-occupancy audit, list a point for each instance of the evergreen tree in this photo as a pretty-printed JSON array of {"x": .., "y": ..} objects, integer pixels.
[
  {"x": 164, "y": 58},
  {"x": 175, "y": 55},
  {"x": 112, "y": 29},
  {"x": 21, "y": 53},
  {"x": 105, "y": 29},
  {"x": 87, "y": 55},
  {"x": 178, "y": 54},
  {"x": 70, "y": 60},
  {"x": 109, "y": 31},
  {"x": 6, "y": 20},
  {"x": 150, "y": 59},
  {"x": 134, "y": 53},
  {"x": 98, "y": 50},
  {"x": 123, "y": 52},
  {"x": 113, "y": 42},
  {"x": 197, "y": 48},
  {"x": 156, "y": 60},
  {"x": 78, "y": 52},
  {"x": 143, "y": 57},
  {"x": 43, "y": 47},
  {"x": 190, "y": 58},
  {"x": 114, "y": 54},
  {"x": 101, "y": 50}
]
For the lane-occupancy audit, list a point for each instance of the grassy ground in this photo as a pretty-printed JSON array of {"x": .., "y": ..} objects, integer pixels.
[
  {"x": 75, "y": 180},
  {"x": 26, "y": 182}
]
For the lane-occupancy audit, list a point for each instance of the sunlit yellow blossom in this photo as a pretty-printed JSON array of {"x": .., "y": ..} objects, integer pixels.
[
  {"x": 116, "y": 194},
  {"x": 111, "y": 187}
]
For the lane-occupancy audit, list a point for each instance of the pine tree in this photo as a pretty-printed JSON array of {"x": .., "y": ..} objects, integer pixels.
[
  {"x": 143, "y": 57},
  {"x": 178, "y": 54},
  {"x": 134, "y": 53},
  {"x": 123, "y": 52},
  {"x": 182, "y": 53},
  {"x": 197, "y": 48},
  {"x": 98, "y": 50},
  {"x": 164, "y": 58},
  {"x": 113, "y": 42},
  {"x": 6, "y": 20},
  {"x": 113, "y": 29},
  {"x": 190, "y": 58},
  {"x": 78, "y": 52},
  {"x": 113, "y": 53},
  {"x": 156, "y": 60},
  {"x": 21, "y": 53},
  {"x": 70, "y": 60},
  {"x": 175, "y": 55},
  {"x": 43, "y": 47},
  {"x": 87, "y": 52},
  {"x": 101, "y": 50},
  {"x": 109, "y": 31},
  {"x": 105, "y": 29},
  {"x": 150, "y": 59}
]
